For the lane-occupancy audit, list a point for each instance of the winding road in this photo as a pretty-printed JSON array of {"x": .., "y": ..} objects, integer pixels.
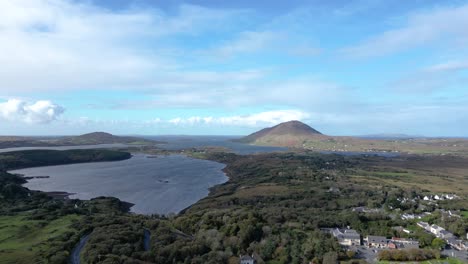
[{"x": 75, "y": 254}]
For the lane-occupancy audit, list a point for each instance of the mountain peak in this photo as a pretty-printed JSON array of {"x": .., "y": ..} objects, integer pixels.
[
  {"x": 97, "y": 134},
  {"x": 293, "y": 127},
  {"x": 286, "y": 133}
]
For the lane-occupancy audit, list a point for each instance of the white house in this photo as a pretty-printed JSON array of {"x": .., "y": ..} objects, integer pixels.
[
  {"x": 435, "y": 229},
  {"x": 424, "y": 225},
  {"x": 347, "y": 237},
  {"x": 377, "y": 242},
  {"x": 246, "y": 259}
]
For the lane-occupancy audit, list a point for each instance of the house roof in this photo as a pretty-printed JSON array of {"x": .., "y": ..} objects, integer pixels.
[
  {"x": 246, "y": 257},
  {"x": 376, "y": 239},
  {"x": 346, "y": 234},
  {"x": 445, "y": 232}
]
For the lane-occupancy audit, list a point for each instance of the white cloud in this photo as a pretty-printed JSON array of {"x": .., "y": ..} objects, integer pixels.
[
  {"x": 60, "y": 44},
  {"x": 450, "y": 66},
  {"x": 40, "y": 112},
  {"x": 446, "y": 24},
  {"x": 254, "y": 120},
  {"x": 247, "y": 42},
  {"x": 434, "y": 78}
]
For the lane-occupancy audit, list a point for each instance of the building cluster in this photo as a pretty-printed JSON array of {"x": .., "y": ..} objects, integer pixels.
[
  {"x": 440, "y": 197},
  {"x": 407, "y": 216},
  {"x": 350, "y": 237},
  {"x": 393, "y": 243},
  {"x": 440, "y": 232}
]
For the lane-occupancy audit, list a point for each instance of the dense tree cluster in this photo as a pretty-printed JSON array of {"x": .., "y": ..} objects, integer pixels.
[{"x": 409, "y": 255}]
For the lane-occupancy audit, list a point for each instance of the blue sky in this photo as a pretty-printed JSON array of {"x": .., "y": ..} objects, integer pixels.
[{"x": 232, "y": 67}]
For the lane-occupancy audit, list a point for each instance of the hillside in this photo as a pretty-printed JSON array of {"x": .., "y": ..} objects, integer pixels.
[
  {"x": 85, "y": 139},
  {"x": 294, "y": 134},
  {"x": 288, "y": 134},
  {"x": 99, "y": 138}
]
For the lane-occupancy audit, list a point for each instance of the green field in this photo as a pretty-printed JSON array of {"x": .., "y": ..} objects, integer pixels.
[
  {"x": 22, "y": 239},
  {"x": 464, "y": 214}
]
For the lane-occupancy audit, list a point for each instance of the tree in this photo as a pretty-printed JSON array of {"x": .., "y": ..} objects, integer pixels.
[
  {"x": 438, "y": 243},
  {"x": 330, "y": 258},
  {"x": 350, "y": 254},
  {"x": 385, "y": 255}
]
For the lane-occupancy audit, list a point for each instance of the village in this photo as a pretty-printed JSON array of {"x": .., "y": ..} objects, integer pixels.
[{"x": 369, "y": 246}]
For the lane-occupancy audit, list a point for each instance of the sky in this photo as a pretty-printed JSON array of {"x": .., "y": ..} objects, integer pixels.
[{"x": 232, "y": 67}]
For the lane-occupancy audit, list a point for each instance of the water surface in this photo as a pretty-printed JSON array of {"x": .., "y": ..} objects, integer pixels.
[
  {"x": 185, "y": 142},
  {"x": 160, "y": 185}
]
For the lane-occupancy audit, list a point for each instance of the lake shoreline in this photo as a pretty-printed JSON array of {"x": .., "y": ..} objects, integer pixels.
[{"x": 169, "y": 182}]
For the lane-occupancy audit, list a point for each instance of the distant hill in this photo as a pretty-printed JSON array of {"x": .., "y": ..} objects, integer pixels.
[
  {"x": 100, "y": 138},
  {"x": 289, "y": 133},
  {"x": 86, "y": 139}
]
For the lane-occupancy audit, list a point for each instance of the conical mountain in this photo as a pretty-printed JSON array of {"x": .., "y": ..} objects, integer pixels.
[{"x": 285, "y": 134}]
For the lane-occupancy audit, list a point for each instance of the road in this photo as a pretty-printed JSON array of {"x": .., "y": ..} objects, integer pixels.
[
  {"x": 75, "y": 254},
  {"x": 461, "y": 255},
  {"x": 147, "y": 240}
]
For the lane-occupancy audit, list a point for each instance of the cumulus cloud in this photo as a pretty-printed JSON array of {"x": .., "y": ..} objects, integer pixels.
[
  {"x": 450, "y": 66},
  {"x": 449, "y": 24},
  {"x": 61, "y": 44},
  {"x": 39, "y": 112},
  {"x": 247, "y": 42},
  {"x": 438, "y": 77},
  {"x": 254, "y": 120}
]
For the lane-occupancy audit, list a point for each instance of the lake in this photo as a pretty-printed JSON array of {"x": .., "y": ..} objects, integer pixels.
[
  {"x": 175, "y": 143},
  {"x": 185, "y": 142},
  {"x": 165, "y": 184}
]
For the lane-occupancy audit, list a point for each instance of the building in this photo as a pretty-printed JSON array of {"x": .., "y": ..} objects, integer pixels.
[
  {"x": 435, "y": 229},
  {"x": 347, "y": 237},
  {"x": 246, "y": 259},
  {"x": 424, "y": 225},
  {"x": 401, "y": 243},
  {"x": 401, "y": 229},
  {"x": 457, "y": 244},
  {"x": 445, "y": 234},
  {"x": 377, "y": 242}
]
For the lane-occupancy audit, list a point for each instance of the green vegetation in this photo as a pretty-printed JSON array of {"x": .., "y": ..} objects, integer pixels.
[
  {"x": 100, "y": 138},
  {"x": 23, "y": 238},
  {"x": 464, "y": 214},
  {"x": 273, "y": 206},
  {"x": 86, "y": 139},
  {"x": 295, "y": 134},
  {"x": 409, "y": 255},
  {"x": 35, "y": 158},
  {"x": 432, "y": 261}
]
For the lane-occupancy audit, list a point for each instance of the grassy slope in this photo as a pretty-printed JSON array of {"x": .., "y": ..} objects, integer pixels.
[
  {"x": 437, "y": 174},
  {"x": 22, "y": 239},
  {"x": 328, "y": 143}
]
